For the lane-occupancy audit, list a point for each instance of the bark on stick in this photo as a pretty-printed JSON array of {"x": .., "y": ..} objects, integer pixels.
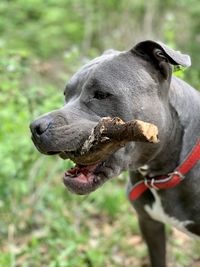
[{"x": 112, "y": 133}]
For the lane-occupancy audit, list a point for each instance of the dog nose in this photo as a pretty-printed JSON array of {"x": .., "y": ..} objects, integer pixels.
[{"x": 39, "y": 126}]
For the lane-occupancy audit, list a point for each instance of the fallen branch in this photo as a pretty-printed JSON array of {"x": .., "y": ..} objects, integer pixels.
[{"x": 111, "y": 134}]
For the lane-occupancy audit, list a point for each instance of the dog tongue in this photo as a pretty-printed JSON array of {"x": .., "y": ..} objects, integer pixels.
[{"x": 82, "y": 172}]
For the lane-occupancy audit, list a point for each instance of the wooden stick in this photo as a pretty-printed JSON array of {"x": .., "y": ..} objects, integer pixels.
[{"x": 112, "y": 133}]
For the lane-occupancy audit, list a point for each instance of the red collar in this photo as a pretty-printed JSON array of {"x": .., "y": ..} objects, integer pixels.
[{"x": 167, "y": 181}]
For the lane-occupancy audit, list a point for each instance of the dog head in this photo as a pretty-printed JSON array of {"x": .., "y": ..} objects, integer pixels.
[{"x": 130, "y": 85}]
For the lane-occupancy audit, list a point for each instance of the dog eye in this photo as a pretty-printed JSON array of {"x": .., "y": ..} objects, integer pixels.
[{"x": 101, "y": 95}]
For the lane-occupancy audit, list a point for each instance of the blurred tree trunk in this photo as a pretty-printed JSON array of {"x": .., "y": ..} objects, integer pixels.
[
  {"x": 88, "y": 27},
  {"x": 149, "y": 19}
]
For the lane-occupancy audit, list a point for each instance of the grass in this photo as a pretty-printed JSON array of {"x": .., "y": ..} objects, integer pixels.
[{"x": 42, "y": 224}]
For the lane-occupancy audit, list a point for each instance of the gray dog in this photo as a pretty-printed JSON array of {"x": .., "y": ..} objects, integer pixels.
[{"x": 164, "y": 184}]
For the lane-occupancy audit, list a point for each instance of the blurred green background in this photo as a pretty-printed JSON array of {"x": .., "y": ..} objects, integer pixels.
[{"x": 41, "y": 44}]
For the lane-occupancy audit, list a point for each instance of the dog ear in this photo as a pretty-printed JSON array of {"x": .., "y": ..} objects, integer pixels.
[{"x": 161, "y": 55}]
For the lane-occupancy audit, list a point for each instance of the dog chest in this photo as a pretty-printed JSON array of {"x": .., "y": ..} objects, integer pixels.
[{"x": 157, "y": 212}]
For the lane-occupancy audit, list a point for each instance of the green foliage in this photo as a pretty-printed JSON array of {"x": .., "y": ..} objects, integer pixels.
[
  {"x": 41, "y": 44},
  {"x": 36, "y": 23}
]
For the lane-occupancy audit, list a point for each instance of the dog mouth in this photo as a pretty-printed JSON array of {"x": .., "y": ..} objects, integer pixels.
[
  {"x": 83, "y": 179},
  {"x": 88, "y": 173},
  {"x": 94, "y": 154}
]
